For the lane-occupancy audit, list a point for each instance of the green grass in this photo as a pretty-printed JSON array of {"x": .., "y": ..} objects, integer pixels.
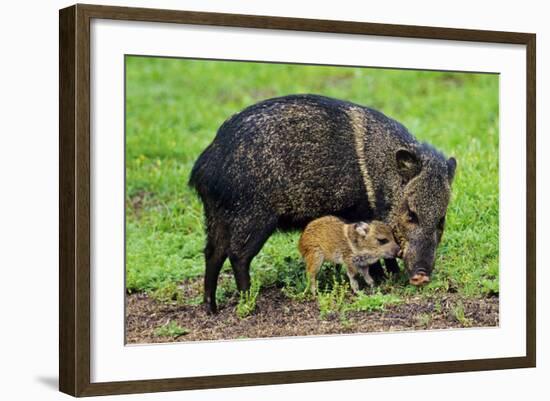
[
  {"x": 333, "y": 301},
  {"x": 247, "y": 299},
  {"x": 171, "y": 329},
  {"x": 373, "y": 302},
  {"x": 458, "y": 313},
  {"x": 174, "y": 108},
  {"x": 168, "y": 293},
  {"x": 338, "y": 300}
]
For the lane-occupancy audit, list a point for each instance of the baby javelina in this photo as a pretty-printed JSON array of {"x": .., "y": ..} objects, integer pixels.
[{"x": 357, "y": 245}]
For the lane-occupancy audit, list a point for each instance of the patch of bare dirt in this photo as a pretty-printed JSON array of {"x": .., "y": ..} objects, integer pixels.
[
  {"x": 137, "y": 202},
  {"x": 276, "y": 315}
]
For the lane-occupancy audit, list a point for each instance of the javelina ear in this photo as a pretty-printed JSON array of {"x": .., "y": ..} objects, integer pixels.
[
  {"x": 408, "y": 164},
  {"x": 451, "y": 168},
  {"x": 362, "y": 228}
]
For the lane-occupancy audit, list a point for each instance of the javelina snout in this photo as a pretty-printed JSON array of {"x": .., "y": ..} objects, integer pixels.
[
  {"x": 419, "y": 258},
  {"x": 419, "y": 273},
  {"x": 419, "y": 279}
]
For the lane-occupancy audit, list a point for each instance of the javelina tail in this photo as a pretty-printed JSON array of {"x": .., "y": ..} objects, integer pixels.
[
  {"x": 193, "y": 178},
  {"x": 199, "y": 173},
  {"x": 205, "y": 178}
]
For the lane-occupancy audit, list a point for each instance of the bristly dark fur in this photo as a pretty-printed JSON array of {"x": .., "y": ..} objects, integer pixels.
[{"x": 283, "y": 162}]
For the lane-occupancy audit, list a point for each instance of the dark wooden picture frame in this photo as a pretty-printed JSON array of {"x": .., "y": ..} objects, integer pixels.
[{"x": 74, "y": 200}]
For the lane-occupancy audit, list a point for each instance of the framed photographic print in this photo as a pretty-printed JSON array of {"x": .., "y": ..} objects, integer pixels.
[{"x": 281, "y": 200}]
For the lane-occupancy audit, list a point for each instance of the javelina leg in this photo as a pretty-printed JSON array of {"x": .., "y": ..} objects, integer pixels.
[
  {"x": 352, "y": 272},
  {"x": 214, "y": 256},
  {"x": 354, "y": 284},
  {"x": 241, "y": 270},
  {"x": 392, "y": 266},
  {"x": 366, "y": 275},
  {"x": 243, "y": 250},
  {"x": 314, "y": 260}
]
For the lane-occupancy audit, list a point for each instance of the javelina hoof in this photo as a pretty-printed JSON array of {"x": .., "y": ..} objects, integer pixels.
[
  {"x": 419, "y": 279},
  {"x": 210, "y": 308}
]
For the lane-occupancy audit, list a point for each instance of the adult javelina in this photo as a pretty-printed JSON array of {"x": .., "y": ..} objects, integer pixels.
[{"x": 286, "y": 161}]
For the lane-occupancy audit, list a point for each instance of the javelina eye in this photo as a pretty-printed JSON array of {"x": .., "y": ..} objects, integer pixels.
[
  {"x": 412, "y": 217},
  {"x": 383, "y": 241}
]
